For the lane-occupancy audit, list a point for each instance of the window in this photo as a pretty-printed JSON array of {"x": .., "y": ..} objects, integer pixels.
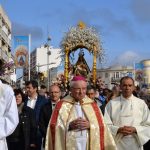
[
  {"x": 117, "y": 74},
  {"x": 106, "y": 75}
]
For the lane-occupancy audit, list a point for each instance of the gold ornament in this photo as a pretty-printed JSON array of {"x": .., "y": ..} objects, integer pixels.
[{"x": 81, "y": 25}]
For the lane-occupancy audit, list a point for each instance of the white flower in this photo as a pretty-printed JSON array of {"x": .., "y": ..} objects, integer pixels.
[{"x": 86, "y": 36}]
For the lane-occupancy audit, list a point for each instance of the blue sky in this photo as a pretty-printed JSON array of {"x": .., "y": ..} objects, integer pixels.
[{"x": 123, "y": 25}]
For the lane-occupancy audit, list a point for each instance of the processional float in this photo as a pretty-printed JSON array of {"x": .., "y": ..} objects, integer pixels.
[{"x": 83, "y": 38}]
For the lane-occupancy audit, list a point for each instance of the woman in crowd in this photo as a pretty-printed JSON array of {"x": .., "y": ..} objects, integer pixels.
[{"x": 24, "y": 136}]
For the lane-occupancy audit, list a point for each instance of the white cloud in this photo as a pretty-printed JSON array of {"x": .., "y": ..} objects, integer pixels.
[{"x": 127, "y": 58}]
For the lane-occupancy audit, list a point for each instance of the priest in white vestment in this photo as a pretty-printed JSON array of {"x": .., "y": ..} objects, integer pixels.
[
  {"x": 128, "y": 118},
  {"x": 77, "y": 123},
  {"x": 8, "y": 114}
]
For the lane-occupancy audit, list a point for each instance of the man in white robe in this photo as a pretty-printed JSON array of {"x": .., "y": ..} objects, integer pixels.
[
  {"x": 8, "y": 114},
  {"x": 128, "y": 118}
]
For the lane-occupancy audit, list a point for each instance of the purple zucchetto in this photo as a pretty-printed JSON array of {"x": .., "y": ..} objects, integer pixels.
[{"x": 78, "y": 78}]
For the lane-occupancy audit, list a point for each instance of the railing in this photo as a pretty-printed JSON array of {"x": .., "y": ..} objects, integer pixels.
[{"x": 113, "y": 79}]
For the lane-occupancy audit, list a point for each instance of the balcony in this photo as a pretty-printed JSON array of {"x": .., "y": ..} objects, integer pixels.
[
  {"x": 0, "y": 53},
  {"x": 1, "y": 23},
  {"x": 5, "y": 37},
  {"x": 4, "y": 56}
]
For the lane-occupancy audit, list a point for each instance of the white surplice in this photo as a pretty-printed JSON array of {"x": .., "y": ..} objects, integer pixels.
[
  {"x": 128, "y": 112},
  {"x": 81, "y": 136},
  {"x": 8, "y": 114}
]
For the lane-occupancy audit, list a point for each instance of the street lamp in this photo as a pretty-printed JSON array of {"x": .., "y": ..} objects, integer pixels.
[
  {"x": 38, "y": 68},
  {"x": 47, "y": 45}
]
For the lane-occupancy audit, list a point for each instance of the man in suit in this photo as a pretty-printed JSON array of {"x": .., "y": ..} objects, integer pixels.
[
  {"x": 46, "y": 110},
  {"x": 35, "y": 101},
  {"x": 91, "y": 93}
]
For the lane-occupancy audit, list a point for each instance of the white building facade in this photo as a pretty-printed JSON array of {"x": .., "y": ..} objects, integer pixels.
[
  {"x": 113, "y": 74},
  {"x": 5, "y": 44},
  {"x": 146, "y": 72},
  {"x": 39, "y": 58},
  {"x": 40, "y": 61}
]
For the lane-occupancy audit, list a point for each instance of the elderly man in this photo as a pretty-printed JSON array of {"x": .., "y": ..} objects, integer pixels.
[
  {"x": 77, "y": 123},
  {"x": 129, "y": 118},
  {"x": 8, "y": 113}
]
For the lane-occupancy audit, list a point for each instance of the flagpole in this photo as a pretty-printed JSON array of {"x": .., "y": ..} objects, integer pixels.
[
  {"x": 29, "y": 56},
  {"x": 134, "y": 70}
]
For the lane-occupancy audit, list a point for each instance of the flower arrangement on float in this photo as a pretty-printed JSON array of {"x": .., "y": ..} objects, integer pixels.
[{"x": 87, "y": 37}]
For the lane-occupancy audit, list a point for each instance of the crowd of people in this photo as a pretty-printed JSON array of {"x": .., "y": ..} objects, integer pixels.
[{"x": 78, "y": 118}]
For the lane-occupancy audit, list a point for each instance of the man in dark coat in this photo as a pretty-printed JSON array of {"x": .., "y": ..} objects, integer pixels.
[
  {"x": 46, "y": 110},
  {"x": 35, "y": 101},
  {"x": 91, "y": 93}
]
